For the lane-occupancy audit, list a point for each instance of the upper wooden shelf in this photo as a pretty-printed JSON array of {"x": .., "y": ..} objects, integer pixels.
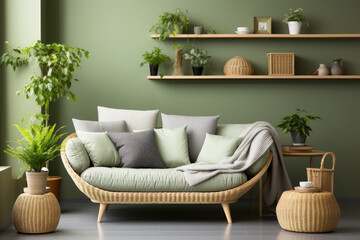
[
  {"x": 353, "y": 35},
  {"x": 167, "y": 77}
]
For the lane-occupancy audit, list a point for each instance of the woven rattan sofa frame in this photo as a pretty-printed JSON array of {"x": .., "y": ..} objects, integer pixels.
[{"x": 104, "y": 197}]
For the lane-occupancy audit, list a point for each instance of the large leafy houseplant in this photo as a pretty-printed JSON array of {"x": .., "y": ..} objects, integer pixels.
[
  {"x": 297, "y": 125},
  {"x": 154, "y": 59},
  {"x": 171, "y": 23},
  {"x": 198, "y": 59},
  {"x": 56, "y": 62}
]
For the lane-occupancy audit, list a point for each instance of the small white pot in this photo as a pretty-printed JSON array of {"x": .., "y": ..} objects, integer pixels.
[
  {"x": 294, "y": 27},
  {"x": 36, "y": 182}
]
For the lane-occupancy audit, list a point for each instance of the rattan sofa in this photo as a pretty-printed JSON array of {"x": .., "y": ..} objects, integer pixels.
[{"x": 105, "y": 197}]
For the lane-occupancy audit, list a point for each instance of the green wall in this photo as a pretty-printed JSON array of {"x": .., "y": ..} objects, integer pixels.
[{"x": 117, "y": 33}]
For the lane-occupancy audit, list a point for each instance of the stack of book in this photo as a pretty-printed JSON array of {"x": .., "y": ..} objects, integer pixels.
[{"x": 296, "y": 149}]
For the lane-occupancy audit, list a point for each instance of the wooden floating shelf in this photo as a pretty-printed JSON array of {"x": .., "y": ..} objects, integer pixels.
[
  {"x": 204, "y": 77},
  {"x": 352, "y": 35}
]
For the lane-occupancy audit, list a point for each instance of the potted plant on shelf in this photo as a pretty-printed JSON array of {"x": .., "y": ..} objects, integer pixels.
[
  {"x": 198, "y": 60},
  {"x": 154, "y": 59},
  {"x": 201, "y": 28},
  {"x": 294, "y": 19},
  {"x": 171, "y": 23},
  {"x": 297, "y": 125},
  {"x": 38, "y": 146},
  {"x": 56, "y": 64}
]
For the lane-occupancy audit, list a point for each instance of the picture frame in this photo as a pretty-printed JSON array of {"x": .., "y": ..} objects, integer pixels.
[{"x": 262, "y": 25}]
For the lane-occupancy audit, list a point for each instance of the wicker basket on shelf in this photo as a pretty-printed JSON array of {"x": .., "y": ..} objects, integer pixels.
[
  {"x": 323, "y": 177},
  {"x": 238, "y": 66},
  {"x": 281, "y": 63}
]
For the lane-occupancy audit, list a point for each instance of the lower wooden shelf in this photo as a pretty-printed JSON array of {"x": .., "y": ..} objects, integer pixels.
[{"x": 189, "y": 77}]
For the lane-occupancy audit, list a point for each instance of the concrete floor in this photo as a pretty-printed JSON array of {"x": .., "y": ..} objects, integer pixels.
[{"x": 171, "y": 222}]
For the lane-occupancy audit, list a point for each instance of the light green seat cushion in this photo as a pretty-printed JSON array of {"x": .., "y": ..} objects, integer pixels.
[
  {"x": 100, "y": 148},
  {"x": 216, "y": 148},
  {"x": 234, "y": 130},
  {"x": 173, "y": 146},
  {"x": 77, "y": 156},
  {"x": 156, "y": 180}
]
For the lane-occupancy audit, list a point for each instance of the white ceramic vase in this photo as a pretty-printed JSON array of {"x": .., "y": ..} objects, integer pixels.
[
  {"x": 323, "y": 70},
  {"x": 294, "y": 27}
]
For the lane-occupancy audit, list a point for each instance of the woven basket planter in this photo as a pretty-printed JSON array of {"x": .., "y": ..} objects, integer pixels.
[
  {"x": 238, "y": 66},
  {"x": 323, "y": 178},
  {"x": 308, "y": 212}
]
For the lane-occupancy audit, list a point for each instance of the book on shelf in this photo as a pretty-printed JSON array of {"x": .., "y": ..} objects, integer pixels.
[{"x": 300, "y": 149}]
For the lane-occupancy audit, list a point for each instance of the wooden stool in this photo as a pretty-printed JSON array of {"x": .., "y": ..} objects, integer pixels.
[
  {"x": 36, "y": 213},
  {"x": 308, "y": 212}
]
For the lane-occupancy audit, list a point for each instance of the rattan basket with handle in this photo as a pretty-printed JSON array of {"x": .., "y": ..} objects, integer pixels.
[{"x": 323, "y": 177}]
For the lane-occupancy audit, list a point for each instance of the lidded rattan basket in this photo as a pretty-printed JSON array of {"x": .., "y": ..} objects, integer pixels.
[
  {"x": 321, "y": 177},
  {"x": 238, "y": 66}
]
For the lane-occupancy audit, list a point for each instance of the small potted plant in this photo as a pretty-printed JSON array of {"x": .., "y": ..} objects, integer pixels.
[
  {"x": 294, "y": 19},
  {"x": 198, "y": 60},
  {"x": 154, "y": 59},
  {"x": 171, "y": 23},
  {"x": 39, "y": 145},
  {"x": 201, "y": 28},
  {"x": 297, "y": 125}
]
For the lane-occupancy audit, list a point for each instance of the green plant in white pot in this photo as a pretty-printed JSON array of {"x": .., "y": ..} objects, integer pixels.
[
  {"x": 297, "y": 125},
  {"x": 294, "y": 19},
  {"x": 38, "y": 145},
  {"x": 198, "y": 60}
]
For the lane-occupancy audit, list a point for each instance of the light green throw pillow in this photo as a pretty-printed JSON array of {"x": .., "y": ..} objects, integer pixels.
[
  {"x": 216, "y": 148},
  {"x": 100, "y": 148},
  {"x": 77, "y": 155},
  {"x": 173, "y": 146}
]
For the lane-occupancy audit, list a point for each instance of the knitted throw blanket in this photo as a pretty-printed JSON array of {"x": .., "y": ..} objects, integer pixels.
[{"x": 258, "y": 137}]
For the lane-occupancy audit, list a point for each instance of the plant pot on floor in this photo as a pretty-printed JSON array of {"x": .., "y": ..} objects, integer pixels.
[
  {"x": 54, "y": 182},
  {"x": 298, "y": 139},
  {"x": 36, "y": 182},
  {"x": 197, "y": 71},
  {"x": 154, "y": 69},
  {"x": 294, "y": 27}
]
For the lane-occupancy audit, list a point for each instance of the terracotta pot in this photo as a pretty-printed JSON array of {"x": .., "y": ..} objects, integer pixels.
[
  {"x": 54, "y": 182},
  {"x": 36, "y": 182}
]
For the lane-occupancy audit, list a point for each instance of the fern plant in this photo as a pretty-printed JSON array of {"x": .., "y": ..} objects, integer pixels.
[
  {"x": 171, "y": 23},
  {"x": 39, "y": 144},
  {"x": 155, "y": 57}
]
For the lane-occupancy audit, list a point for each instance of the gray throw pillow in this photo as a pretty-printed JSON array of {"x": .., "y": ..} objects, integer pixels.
[
  {"x": 95, "y": 126},
  {"x": 197, "y": 127},
  {"x": 138, "y": 149},
  {"x": 77, "y": 155}
]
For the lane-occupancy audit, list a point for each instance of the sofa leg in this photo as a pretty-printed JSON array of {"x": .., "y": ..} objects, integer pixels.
[
  {"x": 102, "y": 209},
  {"x": 226, "y": 208}
]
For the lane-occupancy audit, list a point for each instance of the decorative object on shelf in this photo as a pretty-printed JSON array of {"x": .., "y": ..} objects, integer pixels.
[
  {"x": 296, "y": 149},
  {"x": 171, "y": 23},
  {"x": 201, "y": 28},
  {"x": 297, "y": 125},
  {"x": 300, "y": 212},
  {"x": 57, "y": 63},
  {"x": 323, "y": 178},
  {"x": 198, "y": 60},
  {"x": 36, "y": 213},
  {"x": 294, "y": 19},
  {"x": 178, "y": 60},
  {"x": 242, "y": 30},
  {"x": 154, "y": 58},
  {"x": 322, "y": 70},
  {"x": 39, "y": 145},
  {"x": 238, "y": 66},
  {"x": 198, "y": 30},
  {"x": 281, "y": 63},
  {"x": 337, "y": 67},
  {"x": 262, "y": 25}
]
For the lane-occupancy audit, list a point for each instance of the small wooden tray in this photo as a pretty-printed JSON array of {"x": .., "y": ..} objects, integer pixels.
[
  {"x": 27, "y": 191},
  {"x": 307, "y": 190}
]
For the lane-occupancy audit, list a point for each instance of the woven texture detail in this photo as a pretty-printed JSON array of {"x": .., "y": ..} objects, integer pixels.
[
  {"x": 108, "y": 197},
  {"x": 281, "y": 63},
  {"x": 308, "y": 212},
  {"x": 238, "y": 66},
  {"x": 36, "y": 213}
]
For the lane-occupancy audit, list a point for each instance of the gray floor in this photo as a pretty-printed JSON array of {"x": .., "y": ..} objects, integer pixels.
[{"x": 130, "y": 222}]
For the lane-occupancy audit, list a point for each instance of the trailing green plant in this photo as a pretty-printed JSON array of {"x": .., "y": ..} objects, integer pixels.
[
  {"x": 197, "y": 58},
  {"x": 38, "y": 145},
  {"x": 155, "y": 57},
  {"x": 297, "y": 122},
  {"x": 57, "y": 63},
  {"x": 208, "y": 29},
  {"x": 171, "y": 23},
  {"x": 296, "y": 15}
]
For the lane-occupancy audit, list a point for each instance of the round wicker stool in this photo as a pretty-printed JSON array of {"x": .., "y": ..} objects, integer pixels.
[
  {"x": 36, "y": 213},
  {"x": 308, "y": 212}
]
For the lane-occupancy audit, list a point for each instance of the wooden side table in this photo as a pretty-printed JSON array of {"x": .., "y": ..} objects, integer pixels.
[{"x": 313, "y": 153}]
